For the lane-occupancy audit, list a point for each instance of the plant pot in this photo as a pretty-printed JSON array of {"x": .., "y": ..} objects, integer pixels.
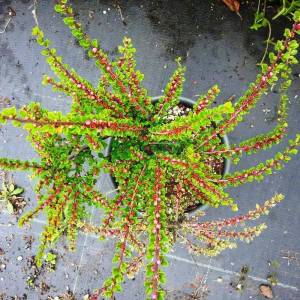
[{"x": 189, "y": 103}]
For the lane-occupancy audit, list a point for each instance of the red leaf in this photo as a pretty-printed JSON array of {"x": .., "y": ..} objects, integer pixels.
[{"x": 233, "y": 5}]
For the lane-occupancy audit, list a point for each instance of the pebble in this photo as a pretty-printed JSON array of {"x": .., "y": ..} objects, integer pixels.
[
  {"x": 3, "y": 266},
  {"x": 19, "y": 258},
  {"x": 104, "y": 12},
  {"x": 266, "y": 110}
]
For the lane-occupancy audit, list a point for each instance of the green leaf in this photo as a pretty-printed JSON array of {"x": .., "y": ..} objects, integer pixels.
[
  {"x": 162, "y": 278},
  {"x": 77, "y": 33},
  {"x": 234, "y": 207},
  {"x": 297, "y": 16},
  {"x": 95, "y": 43},
  {"x": 7, "y": 112},
  {"x": 107, "y": 294},
  {"x": 10, "y": 207},
  {"x": 84, "y": 43},
  {"x": 115, "y": 271},
  {"x": 149, "y": 272},
  {"x": 11, "y": 187},
  {"x": 58, "y": 8},
  {"x": 118, "y": 287},
  {"x": 17, "y": 191},
  {"x": 45, "y": 52},
  {"x": 69, "y": 21},
  {"x": 35, "y": 30}
]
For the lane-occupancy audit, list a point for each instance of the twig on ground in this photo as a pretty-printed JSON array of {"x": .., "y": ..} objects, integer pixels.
[
  {"x": 34, "y": 12},
  {"x": 121, "y": 15}
]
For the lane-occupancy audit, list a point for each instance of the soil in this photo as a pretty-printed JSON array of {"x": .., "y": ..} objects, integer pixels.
[
  {"x": 35, "y": 273},
  {"x": 29, "y": 239},
  {"x": 217, "y": 165}
]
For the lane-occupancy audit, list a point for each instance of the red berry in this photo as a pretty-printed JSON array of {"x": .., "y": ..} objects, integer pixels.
[{"x": 297, "y": 26}]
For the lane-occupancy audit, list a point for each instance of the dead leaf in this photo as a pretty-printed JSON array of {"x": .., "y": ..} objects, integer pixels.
[
  {"x": 266, "y": 291},
  {"x": 233, "y": 5}
]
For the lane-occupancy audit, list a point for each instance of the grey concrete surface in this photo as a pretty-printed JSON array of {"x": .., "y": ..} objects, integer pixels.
[{"x": 218, "y": 47}]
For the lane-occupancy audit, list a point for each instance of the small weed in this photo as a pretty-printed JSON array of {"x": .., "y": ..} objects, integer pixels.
[
  {"x": 10, "y": 196},
  {"x": 241, "y": 283},
  {"x": 51, "y": 259},
  {"x": 272, "y": 276}
]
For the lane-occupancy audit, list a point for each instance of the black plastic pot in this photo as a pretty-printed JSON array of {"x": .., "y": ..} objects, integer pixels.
[{"x": 189, "y": 103}]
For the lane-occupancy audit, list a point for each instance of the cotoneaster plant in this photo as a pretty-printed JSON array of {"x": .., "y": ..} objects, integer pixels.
[{"x": 155, "y": 161}]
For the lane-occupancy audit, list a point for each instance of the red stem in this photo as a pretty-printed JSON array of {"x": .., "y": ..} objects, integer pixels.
[{"x": 255, "y": 92}]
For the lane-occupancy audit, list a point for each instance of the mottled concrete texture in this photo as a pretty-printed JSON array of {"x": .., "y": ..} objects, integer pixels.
[{"x": 217, "y": 47}]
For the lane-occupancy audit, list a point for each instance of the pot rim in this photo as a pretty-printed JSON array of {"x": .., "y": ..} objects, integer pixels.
[{"x": 225, "y": 140}]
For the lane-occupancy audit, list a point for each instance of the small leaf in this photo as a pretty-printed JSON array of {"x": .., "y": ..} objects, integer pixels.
[
  {"x": 4, "y": 187},
  {"x": 11, "y": 187},
  {"x": 234, "y": 207},
  {"x": 17, "y": 191},
  {"x": 45, "y": 52},
  {"x": 58, "y": 8},
  {"x": 35, "y": 30},
  {"x": 10, "y": 208}
]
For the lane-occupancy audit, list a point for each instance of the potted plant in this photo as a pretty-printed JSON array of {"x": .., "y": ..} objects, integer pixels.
[{"x": 166, "y": 158}]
